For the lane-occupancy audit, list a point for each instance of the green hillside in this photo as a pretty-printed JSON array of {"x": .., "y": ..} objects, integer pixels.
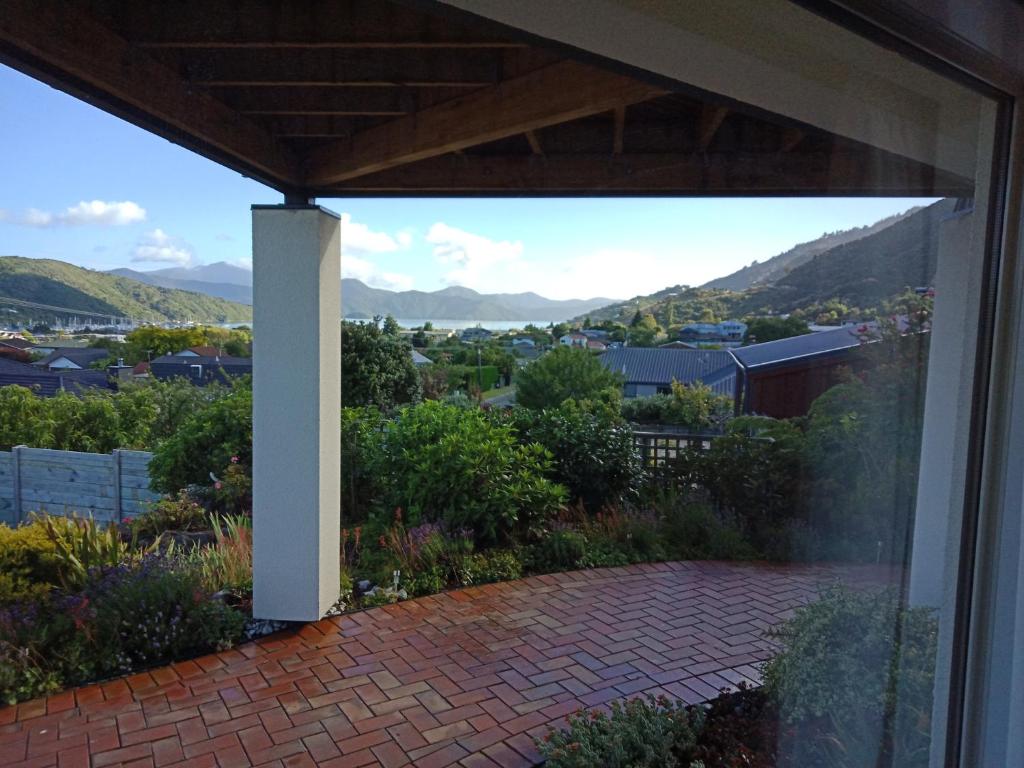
[
  {"x": 58, "y": 284},
  {"x": 843, "y": 282}
]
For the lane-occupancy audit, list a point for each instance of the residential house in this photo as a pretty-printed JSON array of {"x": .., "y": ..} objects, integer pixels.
[
  {"x": 46, "y": 383},
  {"x": 72, "y": 358},
  {"x": 475, "y": 334},
  {"x": 16, "y": 344},
  {"x": 200, "y": 352},
  {"x": 596, "y": 345},
  {"x": 782, "y": 378},
  {"x": 523, "y": 342},
  {"x": 574, "y": 339},
  {"x": 728, "y": 333},
  {"x": 418, "y": 359},
  {"x": 200, "y": 369},
  {"x": 652, "y": 371}
]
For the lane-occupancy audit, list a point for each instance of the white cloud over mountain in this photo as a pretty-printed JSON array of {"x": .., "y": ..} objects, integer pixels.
[
  {"x": 472, "y": 260},
  {"x": 159, "y": 247},
  {"x": 359, "y": 241}
]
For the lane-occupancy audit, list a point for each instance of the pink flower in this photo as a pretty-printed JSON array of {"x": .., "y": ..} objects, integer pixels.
[
  {"x": 218, "y": 485},
  {"x": 234, "y": 459}
]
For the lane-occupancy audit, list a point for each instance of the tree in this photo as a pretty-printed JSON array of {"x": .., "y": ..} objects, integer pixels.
[
  {"x": 761, "y": 329},
  {"x": 391, "y": 326},
  {"x": 565, "y": 373},
  {"x": 645, "y": 332},
  {"x": 637, "y": 319},
  {"x": 376, "y": 368}
]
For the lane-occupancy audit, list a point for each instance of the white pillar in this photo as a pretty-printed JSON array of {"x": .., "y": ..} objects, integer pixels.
[{"x": 296, "y": 410}]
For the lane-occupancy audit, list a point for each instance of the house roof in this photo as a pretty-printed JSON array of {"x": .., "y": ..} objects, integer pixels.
[
  {"x": 663, "y": 366},
  {"x": 797, "y": 347},
  {"x": 222, "y": 361},
  {"x": 48, "y": 384},
  {"x": 81, "y": 356},
  {"x": 205, "y": 351},
  {"x": 140, "y": 368},
  {"x": 16, "y": 343},
  {"x": 418, "y": 359}
]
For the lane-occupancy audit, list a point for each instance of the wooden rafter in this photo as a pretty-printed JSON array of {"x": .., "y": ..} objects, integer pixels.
[
  {"x": 260, "y": 45},
  {"x": 618, "y": 139},
  {"x": 711, "y": 118},
  {"x": 60, "y": 44},
  {"x": 555, "y": 94},
  {"x": 791, "y": 138},
  {"x": 677, "y": 173},
  {"x": 535, "y": 147}
]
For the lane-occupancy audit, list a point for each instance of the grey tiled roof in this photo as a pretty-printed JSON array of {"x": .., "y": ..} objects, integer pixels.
[
  {"x": 48, "y": 383},
  {"x": 796, "y": 347},
  {"x": 81, "y": 356},
  {"x": 661, "y": 367}
]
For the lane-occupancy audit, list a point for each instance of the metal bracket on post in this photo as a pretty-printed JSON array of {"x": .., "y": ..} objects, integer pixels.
[{"x": 16, "y": 472}]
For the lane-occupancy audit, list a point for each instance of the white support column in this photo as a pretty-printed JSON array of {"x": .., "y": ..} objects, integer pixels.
[{"x": 296, "y": 410}]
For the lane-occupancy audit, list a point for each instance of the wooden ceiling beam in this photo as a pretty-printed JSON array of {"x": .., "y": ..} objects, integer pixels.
[
  {"x": 360, "y": 45},
  {"x": 711, "y": 118},
  {"x": 58, "y": 43},
  {"x": 535, "y": 147},
  {"x": 791, "y": 138},
  {"x": 555, "y": 94},
  {"x": 436, "y": 68},
  {"x": 824, "y": 173},
  {"x": 618, "y": 138}
]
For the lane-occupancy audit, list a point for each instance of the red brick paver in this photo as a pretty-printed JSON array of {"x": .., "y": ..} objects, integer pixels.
[{"x": 465, "y": 678}]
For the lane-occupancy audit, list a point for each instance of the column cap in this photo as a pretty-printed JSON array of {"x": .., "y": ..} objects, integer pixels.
[{"x": 293, "y": 207}]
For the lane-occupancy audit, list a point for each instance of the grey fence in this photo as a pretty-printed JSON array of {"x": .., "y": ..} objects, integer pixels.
[{"x": 105, "y": 486}]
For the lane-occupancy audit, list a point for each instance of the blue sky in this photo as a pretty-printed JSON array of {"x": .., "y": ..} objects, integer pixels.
[{"x": 79, "y": 185}]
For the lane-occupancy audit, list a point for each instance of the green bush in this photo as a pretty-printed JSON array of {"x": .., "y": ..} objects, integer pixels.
[
  {"x": 492, "y": 566},
  {"x": 176, "y": 513},
  {"x": 691, "y": 531},
  {"x": 447, "y": 464},
  {"x": 566, "y": 373},
  {"x": 361, "y": 442},
  {"x": 595, "y": 455},
  {"x": 205, "y": 443},
  {"x": 28, "y": 562},
  {"x": 856, "y": 670},
  {"x": 559, "y": 550},
  {"x": 696, "y": 407},
  {"x": 639, "y": 733}
]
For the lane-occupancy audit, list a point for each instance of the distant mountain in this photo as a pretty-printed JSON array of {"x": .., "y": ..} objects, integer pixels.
[
  {"x": 85, "y": 292},
  {"x": 230, "y": 291},
  {"x": 359, "y": 300},
  {"x": 860, "y": 272},
  {"x": 775, "y": 268},
  {"x": 218, "y": 272}
]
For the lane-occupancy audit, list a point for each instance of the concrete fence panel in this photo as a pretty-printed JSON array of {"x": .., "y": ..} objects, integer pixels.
[{"x": 99, "y": 485}]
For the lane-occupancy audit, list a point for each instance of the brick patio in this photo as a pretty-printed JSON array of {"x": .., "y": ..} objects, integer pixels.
[{"x": 464, "y": 678}]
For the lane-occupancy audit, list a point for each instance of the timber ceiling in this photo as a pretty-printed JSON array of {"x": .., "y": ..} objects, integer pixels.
[{"x": 370, "y": 97}]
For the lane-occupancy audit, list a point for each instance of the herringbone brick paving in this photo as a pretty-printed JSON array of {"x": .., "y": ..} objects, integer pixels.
[{"x": 464, "y": 678}]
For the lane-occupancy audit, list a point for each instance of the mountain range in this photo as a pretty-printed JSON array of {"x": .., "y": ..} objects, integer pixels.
[
  {"x": 361, "y": 301},
  {"x": 86, "y": 292}
]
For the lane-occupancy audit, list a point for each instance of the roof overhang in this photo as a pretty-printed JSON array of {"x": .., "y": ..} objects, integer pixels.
[{"x": 379, "y": 98}]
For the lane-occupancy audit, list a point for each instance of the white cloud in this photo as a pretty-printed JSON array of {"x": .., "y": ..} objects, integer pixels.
[
  {"x": 473, "y": 260},
  {"x": 92, "y": 212},
  {"x": 359, "y": 238},
  {"x": 158, "y": 246}
]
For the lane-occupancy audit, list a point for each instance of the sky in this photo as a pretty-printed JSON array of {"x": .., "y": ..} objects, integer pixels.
[{"x": 82, "y": 186}]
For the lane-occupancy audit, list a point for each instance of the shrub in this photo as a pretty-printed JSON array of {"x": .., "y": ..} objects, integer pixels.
[
  {"x": 153, "y": 613},
  {"x": 566, "y": 373},
  {"x": 227, "y": 563},
  {"x": 595, "y": 455},
  {"x": 82, "y": 545},
  {"x": 652, "y": 732},
  {"x": 444, "y": 464},
  {"x": 361, "y": 438},
  {"x": 559, "y": 550},
  {"x": 176, "y": 513},
  {"x": 740, "y": 729},
  {"x": 28, "y": 562},
  {"x": 205, "y": 443},
  {"x": 488, "y": 567},
  {"x": 376, "y": 367},
  {"x": 856, "y": 677},
  {"x": 691, "y": 531},
  {"x": 696, "y": 407}
]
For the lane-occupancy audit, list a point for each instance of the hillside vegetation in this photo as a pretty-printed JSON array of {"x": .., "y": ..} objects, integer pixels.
[
  {"x": 840, "y": 283},
  {"x": 57, "y": 283}
]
